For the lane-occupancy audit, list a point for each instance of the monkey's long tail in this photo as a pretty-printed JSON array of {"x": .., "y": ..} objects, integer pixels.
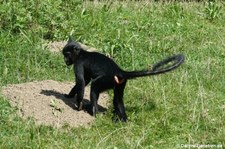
[{"x": 166, "y": 65}]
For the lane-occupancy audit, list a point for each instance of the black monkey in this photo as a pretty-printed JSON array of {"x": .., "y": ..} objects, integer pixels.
[{"x": 105, "y": 74}]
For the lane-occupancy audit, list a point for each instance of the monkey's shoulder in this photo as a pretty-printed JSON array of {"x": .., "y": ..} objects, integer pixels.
[{"x": 97, "y": 57}]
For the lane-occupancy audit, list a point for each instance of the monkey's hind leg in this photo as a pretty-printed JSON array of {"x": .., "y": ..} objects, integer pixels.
[
  {"x": 97, "y": 86},
  {"x": 94, "y": 102},
  {"x": 118, "y": 103},
  {"x": 94, "y": 99}
]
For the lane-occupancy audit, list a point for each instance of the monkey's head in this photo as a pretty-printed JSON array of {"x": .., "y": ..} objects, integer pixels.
[{"x": 71, "y": 52}]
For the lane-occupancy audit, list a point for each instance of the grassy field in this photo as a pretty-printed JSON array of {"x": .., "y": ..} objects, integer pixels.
[{"x": 184, "y": 107}]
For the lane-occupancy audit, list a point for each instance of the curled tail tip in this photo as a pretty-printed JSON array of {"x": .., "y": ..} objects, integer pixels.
[
  {"x": 181, "y": 57},
  {"x": 159, "y": 68}
]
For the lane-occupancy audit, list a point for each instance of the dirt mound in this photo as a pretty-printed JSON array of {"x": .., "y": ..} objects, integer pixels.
[
  {"x": 45, "y": 102},
  {"x": 57, "y": 46}
]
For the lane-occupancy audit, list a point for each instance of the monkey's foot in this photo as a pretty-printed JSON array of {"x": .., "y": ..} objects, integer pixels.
[
  {"x": 116, "y": 118},
  {"x": 94, "y": 111},
  {"x": 80, "y": 106}
]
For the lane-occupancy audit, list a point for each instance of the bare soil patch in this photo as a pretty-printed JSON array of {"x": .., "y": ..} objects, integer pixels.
[
  {"x": 45, "y": 102},
  {"x": 57, "y": 46}
]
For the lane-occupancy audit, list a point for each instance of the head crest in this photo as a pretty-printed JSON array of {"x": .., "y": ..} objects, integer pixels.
[{"x": 70, "y": 39}]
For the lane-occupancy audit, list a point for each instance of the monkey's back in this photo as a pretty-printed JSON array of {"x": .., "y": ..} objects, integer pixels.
[{"x": 97, "y": 64}]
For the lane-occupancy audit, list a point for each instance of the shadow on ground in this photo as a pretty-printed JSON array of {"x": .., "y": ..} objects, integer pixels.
[{"x": 72, "y": 102}]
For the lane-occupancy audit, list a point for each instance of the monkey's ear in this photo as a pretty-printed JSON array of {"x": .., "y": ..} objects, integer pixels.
[{"x": 77, "y": 50}]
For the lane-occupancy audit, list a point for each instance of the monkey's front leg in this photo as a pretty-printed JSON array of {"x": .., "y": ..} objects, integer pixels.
[
  {"x": 80, "y": 94},
  {"x": 79, "y": 90},
  {"x": 72, "y": 93}
]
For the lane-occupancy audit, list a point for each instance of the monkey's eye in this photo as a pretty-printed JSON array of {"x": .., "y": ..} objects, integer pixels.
[{"x": 66, "y": 54}]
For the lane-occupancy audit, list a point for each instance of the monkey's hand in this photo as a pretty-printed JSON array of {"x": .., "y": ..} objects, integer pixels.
[{"x": 80, "y": 106}]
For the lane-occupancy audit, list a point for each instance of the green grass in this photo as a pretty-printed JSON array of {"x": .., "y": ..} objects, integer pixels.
[{"x": 182, "y": 107}]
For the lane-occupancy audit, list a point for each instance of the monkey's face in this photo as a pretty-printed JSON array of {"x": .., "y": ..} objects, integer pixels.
[
  {"x": 71, "y": 52},
  {"x": 68, "y": 58},
  {"x": 68, "y": 53}
]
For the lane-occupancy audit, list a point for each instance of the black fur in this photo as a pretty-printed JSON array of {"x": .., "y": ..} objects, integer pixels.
[{"x": 101, "y": 71}]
